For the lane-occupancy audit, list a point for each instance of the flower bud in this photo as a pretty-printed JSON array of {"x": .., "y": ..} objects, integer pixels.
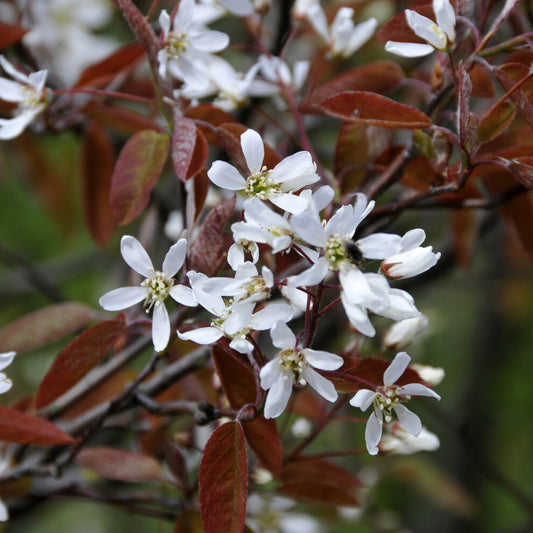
[
  {"x": 410, "y": 263},
  {"x": 401, "y": 442},
  {"x": 430, "y": 374}
]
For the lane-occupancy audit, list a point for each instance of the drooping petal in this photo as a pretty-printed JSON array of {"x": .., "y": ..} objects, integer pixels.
[
  {"x": 363, "y": 399},
  {"x": 323, "y": 360},
  {"x": 135, "y": 256},
  {"x": 226, "y": 176},
  {"x": 6, "y": 359},
  {"x": 267, "y": 317},
  {"x": 310, "y": 277},
  {"x": 409, "y": 49},
  {"x": 270, "y": 373},
  {"x": 160, "y": 327},
  {"x": 396, "y": 368},
  {"x": 282, "y": 336},
  {"x": 278, "y": 396},
  {"x": 445, "y": 15},
  {"x": 358, "y": 317},
  {"x": 324, "y": 387},
  {"x": 417, "y": 389},
  {"x": 253, "y": 150},
  {"x": 5, "y": 383},
  {"x": 122, "y": 298},
  {"x": 13, "y": 127},
  {"x": 206, "y": 335},
  {"x": 174, "y": 259},
  {"x": 241, "y": 345},
  {"x": 373, "y": 431},
  {"x": 408, "y": 420},
  {"x": 183, "y": 295}
]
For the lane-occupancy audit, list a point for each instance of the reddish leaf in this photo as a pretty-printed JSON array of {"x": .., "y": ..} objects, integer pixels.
[
  {"x": 44, "y": 326},
  {"x": 25, "y": 429},
  {"x": 464, "y": 228},
  {"x": 379, "y": 77},
  {"x": 119, "y": 118},
  {"x": 397, "y": 29},
  {"x": 97, "y": 160},
  {"x": 208, "y": 250},
  {"x": 355, "y": 374},
  {"x": 517, "y": 72},
  {"x": 376, "y": 110},
  {"x": 318, "y": 481},
  {"x": 10, "y": 34},
  {"x": 211, "y": 115},
  {"x": 76, "y": 359},
  {"x": 121, "y": 465},
  {"x": 196, "y": 198},
  {"x": 189, "y": 148},
  {"x": 236, "y": 375},
  {"x": 466, "y": 121},
  {"x": 522, "y": 169},
  {"x": 482, "y": 84},
  {"x": 136, "y": 172},
  {"x": 262, "y": 437},
  {"x": 176, "y": 462},
  {"x": 496, "y": 120},
  {"x": 515, "y": 88},
  {"x": 223, "y": 480},
  {"x": 104, "y": 71}
]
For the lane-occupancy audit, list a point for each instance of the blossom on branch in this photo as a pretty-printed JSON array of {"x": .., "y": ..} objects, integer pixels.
[
  {"x": 295, "y": 365},
  {"x": 389, "y": 398},
  {"x": 28, "y": 92},
  {"x": 5, "y": 361},
  {"x": 439, "y": 36},
  {"x": 154, "y": 290}
]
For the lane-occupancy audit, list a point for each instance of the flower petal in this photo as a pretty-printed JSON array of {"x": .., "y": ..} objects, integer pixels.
[
  {"x": 396, "y": 368},
  {"x": 282, "y": 336},
  {"x": 183, "y": 295},
  {"x": 175, "y": 257},
  {"x": 278, "y": 396},
  {"x": 323, "y": 360},
  {"x": 409, "y": 49},
  {"x": 373, "y": 431},
  {"x": 408, "y": 420},
  {"x": 135, "y": 256},
  {"x": 379, "y": 245},
  {"x": 253, "y": 150},
  {"x": 445, "y": 15},
  {"x": 363, "y": 399},
  {"x": 206, "y": 335},
  {"x": 417, "y": 389},
  {"x": 267, "y": 317},
  {"x": 426, "y": 29},
  {"x": 310, "y": 277},
  {"x": 160, "y": 327},
  {"x": 323, "y": 386},
  {"x": 269, "y": 374},
  {"x": 226, "y": 176},
  {"x": 122, "y": 298},
  {"x": 309, "y": 229},
  {"x": 6, "y": 359}
]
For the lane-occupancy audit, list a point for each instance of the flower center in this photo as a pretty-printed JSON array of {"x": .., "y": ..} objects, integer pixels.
[
  {"x": 441, "y": 36},
  {"x": 386, "y": 400},
  {"x": 256, "y": 285},
  {"x": 158, "y": 288},
  {"x": 261, "y": 185},
  {"x": 177, "y": 43},
  {"x": 335, "y": 252},
  {"x": 294, "y": 361}
]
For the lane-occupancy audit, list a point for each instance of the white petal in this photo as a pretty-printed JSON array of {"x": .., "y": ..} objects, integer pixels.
[
  {"x": 11, "y": 128},
  {"x": 323, "y": 360},
  {"x": 282, "y": 336},
  {"x": 12, "y": 91},
  {"x": 289, "y": 202},
  {"x": 5, "y": 383},
  {"x": 6, "y": 359},
  {"x": 324, "y": 387},
  {"x": 210, "y": 41},
  {"x": 310, "y": 277},
  {"x": 135, "y": 256},
  {"x": 309, "y": 229},
  {"x": 293, "y": 167},
  {"x": 201, "y": 335},
  {"x": 174, "y": 259},
  {"x": 342, "y": 223},
  {"x": 409, "y": 49},
  {"x": 270, "y": 373},
  {"x": 160, "y": 327},
  {"x": 408, "y": 420},
  {"x": 373, "y": 431},
  {"x": 241, "y": 345},
  {"x": 239, "y": 318},
  {"x": 226, "y": 176},
  {"x": 241, "y": 8},
  {"x": 235, "y": 254},
  {"x": 417, "y": 389},
  {"x": 270, "y": 315},
  {"x": 183, "y": 295},
  {"x": 4, "y": 515},
  {"x": 317, "y": 19},
  {"x": 253, "y": 150},
  {"x": 358, "y": 317},
  {"x": 278, "y": 396},
  {"x": 363, "y": 399},
  {"x": 396, "y": 368},
  {"x": 412, "y": 239},
  {"x": 445, "y": 15},
  {"x": 360, "y": 34},
  {"x": 379, "y": 245},
  {"x": 122, "y": 298},
  {"x": 426, "y": 29}
]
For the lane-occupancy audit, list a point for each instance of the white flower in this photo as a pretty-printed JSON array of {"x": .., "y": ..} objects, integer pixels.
[
  {"x": 188, "y": 45},
  {"x": 28, "y": 92},
  {"x": 400, "y": 442},
  {"x": 293, "y": 173},
  {"x": 294, "y": 365},
  {"x": 154, "y": 290},
  {"x": 234, "y": 321},
  {"x": 210, "y": 10},
  {"x": 410, "y": 263},
  {"x": 4, "y": 514},
  {"x": 343, "y": 38},
  {"x": 401, "y": 333},
  {"x": 5, "y": 361},
  {"x": 430, "y": 374},
  {"x": 388, "y": 398},
  {"x": 439, "y": 36},
  {"x": 301, "y": 428}
]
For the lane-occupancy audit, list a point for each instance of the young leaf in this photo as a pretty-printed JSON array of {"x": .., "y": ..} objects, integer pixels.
[
  {"x": 262, "y": 437},
  {"x": 121, "y": 465},
  {"x": 76, "y": 359},
  {"x": 211, "y": 115},
  {"x": 97, "y": 160},
  {"x": 223, "y": 480},
  {"x": 207, "y": 251},
  {"x": 376, "y": 110},
  {"x": 189, "y": 148},
  {"x": 44, "y": 326},
  {"x": 196, "y": 198},
  {"x": 25, "y": 429},
  {"x": 236, "y": 375},
  {"x": 496, "y": 120},
  {"x": 136, "y": 172},
  {"x": 101, "y": 73}
]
